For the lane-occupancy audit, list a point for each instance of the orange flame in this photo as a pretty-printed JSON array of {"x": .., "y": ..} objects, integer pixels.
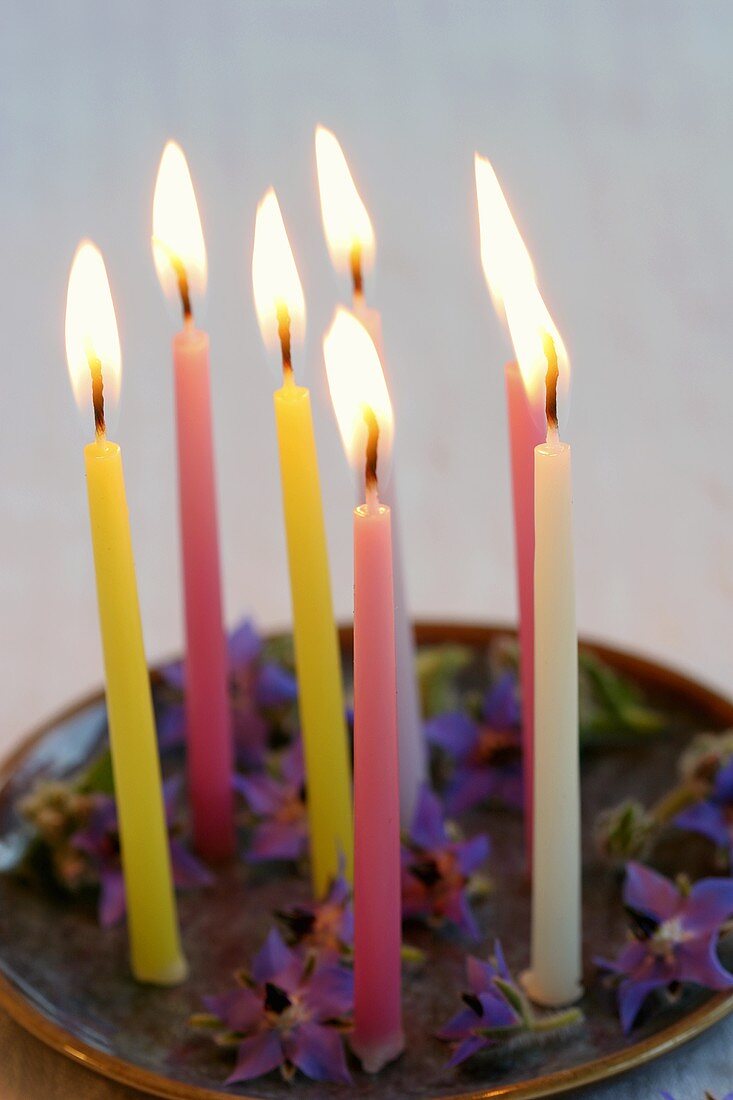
[
  {"x": 275, "y": 279},
  {"x": 346, "y": 221},
  {"x": 178, "y": 239}
]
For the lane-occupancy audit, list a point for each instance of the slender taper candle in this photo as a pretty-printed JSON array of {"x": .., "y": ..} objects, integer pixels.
[
  {"x": 93, "y": 353},
  {"x": 351, "y": 244},
  {"x": 364, "y": 414},
  {"x": 281, "y": 312},
  {"x": 180, "y": 258},
  {"x": 555, "y": 970}
]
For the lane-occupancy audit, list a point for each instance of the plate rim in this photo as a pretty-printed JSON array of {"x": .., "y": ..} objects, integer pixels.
[{"x": 35, "y": 1022}]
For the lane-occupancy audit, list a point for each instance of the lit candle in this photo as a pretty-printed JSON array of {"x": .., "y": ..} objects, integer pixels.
[
  {"x": 180, "y": 259},
  {"x": 351, "y": 244},
  {"x": 555, "y": 967},
  {"x": 505, "y": 259},
  {"x": 281, "y": 312},
  {"x": 364, "y": 413},
  {"x": 93, "y": 354}
]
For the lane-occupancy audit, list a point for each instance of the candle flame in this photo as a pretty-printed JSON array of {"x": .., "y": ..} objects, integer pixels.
[
  {"x": 510, "y": 277},
  {"x": 357, "y": 384},
  {"x": 92, "y": 339},
  {"x": 179, "y": 251},
  {"x": 346, "y": 222},
  {"x": 277, "y": 288}
]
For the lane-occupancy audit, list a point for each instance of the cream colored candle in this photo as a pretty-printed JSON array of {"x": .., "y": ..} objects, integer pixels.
[{"x": 554, "y": 977}]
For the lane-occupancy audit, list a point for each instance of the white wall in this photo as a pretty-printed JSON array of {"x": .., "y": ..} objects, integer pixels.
[{"x": 610, "y": 125}]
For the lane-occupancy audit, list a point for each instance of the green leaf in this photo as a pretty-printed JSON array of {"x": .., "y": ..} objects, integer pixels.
[{"x": 99, "y": 777}]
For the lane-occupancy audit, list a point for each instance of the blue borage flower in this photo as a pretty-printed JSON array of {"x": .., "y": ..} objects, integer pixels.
[
  {"x": 289, "y": 1012},
  {"x": 325, "y": 926},
  {"x": 486, "y": 754},
  {"x": 437, "y": 868},
  {"x": 673, "y": 938},
  {"x": 276, "y": 798},
  {"x": 257, "y": 686},
  {"x": 496, "y": 1009}
]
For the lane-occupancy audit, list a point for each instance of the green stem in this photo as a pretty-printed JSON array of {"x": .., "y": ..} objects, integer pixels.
[
  {"x": 556, "y": 1020},
  {"x": 672, "y": 803}
]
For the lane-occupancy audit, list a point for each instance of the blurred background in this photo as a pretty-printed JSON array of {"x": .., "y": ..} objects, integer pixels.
[{"x": 610, "y": 127}]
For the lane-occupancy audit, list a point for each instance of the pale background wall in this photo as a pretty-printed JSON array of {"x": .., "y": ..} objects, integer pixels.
[{"x": 610, "y": 125}]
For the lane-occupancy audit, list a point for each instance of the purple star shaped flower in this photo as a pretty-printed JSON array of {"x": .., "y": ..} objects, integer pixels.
[
  {"x": 489, "y": 1013},
  {"x": 436, "y": 869},
  {"x": 713, "y": 817},
  {"x": 258, "y": 688},
  {"x": 277, "y": 802},
  {"x": 326, "y": 926},
  {"x": 100, "y": 843},
  {"x": 673, "y": 939},
  {"x": 486, "y": 754},
  {"x": 290, "y": 1014}
]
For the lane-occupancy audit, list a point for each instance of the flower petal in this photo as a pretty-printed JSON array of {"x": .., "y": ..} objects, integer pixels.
[
  {"x": 276, "y": 687},
  {"x": 263, "y": 793},
  {"x": 724, "y": 783},
  {"x": 470, "y": 787},
  {"x": 272, "y": 958},
  {"x": 330, "y": 992},
  {"x": 468, "y": 1048},
  {"x": 631, "y": 996},
  {"x": 239, "y": 1009},
  {"x": 188, "y": 871},
  {"x": 708, "y": 819},
  {"x": 698, "y": 962},
  {"x": 170, "y": 723},
  {"x": 710, "y": 903},
  {"x": 319, "y": 1053},
  {"x": 649, "y": 892},
  {"x": 501, "y": 706},
  {"x": 473, "y": 853},
  {"x": 256, "y": 1056},
  {"x": 460, "y": 1025},
  {"x": 455, "y": 733},
  {"x": 428, "y": 829},
  {"x": 274, "y": 840},
  {"x": 244, "y": 645},
  {"x": 112, "y": 904}
]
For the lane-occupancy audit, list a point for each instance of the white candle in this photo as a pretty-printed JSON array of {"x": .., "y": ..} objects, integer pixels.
[
  {"x": 351, "y": 244},
  {"x": 555, "y": 968}
]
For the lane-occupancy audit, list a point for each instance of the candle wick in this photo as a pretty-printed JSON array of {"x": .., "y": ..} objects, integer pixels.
[
  {"x": 370, "y": 467},
  {"x": 357, "y": 275},
  {"x": 95, "y": 369},
  {"x": 181, "y": 274},
  {"x": 283, "y": 331},
  {"x": 551, "y": 380}
]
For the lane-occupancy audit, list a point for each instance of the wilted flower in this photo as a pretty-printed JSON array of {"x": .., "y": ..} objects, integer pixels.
[
  {"x": 713, "y": 817},
  {"x": 623, "y": 832},
  {"x": 705, "y": 754},
  {"x": 495, "y": 1010},
  {"x": 99, "y": 845},
  {"x": 288, "y": 1013},
  {"x": 486, "y": 754},
  {"x": 276, "y": 799},
  {"x": 673, "y": 938},
  {"x": 57, "y": 810},
  {"x": 437, "y": 869},
  {"x": 323, "y": 926}
]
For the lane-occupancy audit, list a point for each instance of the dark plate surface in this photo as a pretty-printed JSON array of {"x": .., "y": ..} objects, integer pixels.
[{"x": 66, "y": 980}]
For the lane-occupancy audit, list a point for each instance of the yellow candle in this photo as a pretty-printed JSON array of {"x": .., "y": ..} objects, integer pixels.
[
  {"x": 281, "y": 312},
  {"x": 155, "y": 947},
  {"x": 320, "y": 692}
]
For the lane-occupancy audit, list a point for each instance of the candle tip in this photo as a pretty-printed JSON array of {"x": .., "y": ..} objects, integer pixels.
[
  {"x": 95, "y": 369},
  {"x": 283, "y": 331},
  {"x": 370, "y": 466},
  {"x": 551, "y": 380},
  {"x": 357, "y": 275},
  {"x": 179, "y": 269}
]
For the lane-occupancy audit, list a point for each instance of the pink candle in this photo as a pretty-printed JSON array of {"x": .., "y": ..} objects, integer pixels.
[
  {"x": 524, "y": 436},
  {"x": 377, "y": 1037},
  {"x": 364, "y": 412},
  {"x": 180, "y": 259},
  {"x": 208, "y": 715}
]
